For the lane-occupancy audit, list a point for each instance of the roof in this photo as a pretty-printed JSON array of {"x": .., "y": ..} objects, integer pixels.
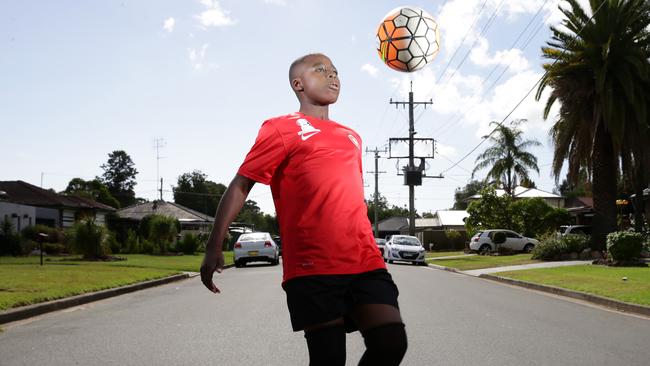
[
  {"x": 31, "y": 195},
  {"x": 182, "y": 213},
  {"x": 452, "y": 217},
  {"x": 428, "y": 222},
  {"x": 392, "y": 223},
  {"x": 579, "y": 202},
  {"x": 523, "y": 192}
]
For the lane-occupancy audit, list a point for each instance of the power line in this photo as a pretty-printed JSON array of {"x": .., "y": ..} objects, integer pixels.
[{"x": 500, "y": 124}]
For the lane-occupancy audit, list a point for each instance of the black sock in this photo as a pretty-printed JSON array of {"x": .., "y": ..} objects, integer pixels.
[
  {"x": 385, "y": 345},
  {"x": 326, "y": 346}
]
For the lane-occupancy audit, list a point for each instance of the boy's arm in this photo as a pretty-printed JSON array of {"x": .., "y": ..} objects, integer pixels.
[{"x": 231, "y": 203}]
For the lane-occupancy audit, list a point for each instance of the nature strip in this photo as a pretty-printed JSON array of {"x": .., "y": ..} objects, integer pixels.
[
  {"x": 615, "y": 304},
  {"x": 28, "y": 311}
]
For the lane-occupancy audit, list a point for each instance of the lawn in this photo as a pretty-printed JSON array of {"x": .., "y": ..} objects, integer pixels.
[
  {"x": 485, "y": 261},
  {"x": 597, "y": 280},
  {"x": 187, "y": 263},
  {"x": 25, "y": 282},
  {"x": 443, "y": 254}
]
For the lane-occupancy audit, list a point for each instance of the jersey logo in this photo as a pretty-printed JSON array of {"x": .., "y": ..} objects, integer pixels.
[
  {"x": 354, "y": 141},
  {"x": 306, "y": 129}
]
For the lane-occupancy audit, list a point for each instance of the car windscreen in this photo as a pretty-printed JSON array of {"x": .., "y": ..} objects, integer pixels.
[
  {"x": 252, "y": 237},
  {"x": 406, "y": 241}
]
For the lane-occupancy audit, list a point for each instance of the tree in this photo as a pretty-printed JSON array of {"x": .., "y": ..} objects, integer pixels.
[
  {"x": 489, "y": 212},
  {"x": 462, "y": 194},
  {"x": 119, "y": 177},
  {"x": 385, "y": 211},
  {"x": 195, "y": 191},
  {"x": 93, "y": 189},
  {"x": 599, "y": 72},
  {"x": 507, "y": 156}
]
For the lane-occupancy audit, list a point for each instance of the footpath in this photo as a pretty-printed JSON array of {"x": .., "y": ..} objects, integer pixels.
[{"x": 489, "y": 274}]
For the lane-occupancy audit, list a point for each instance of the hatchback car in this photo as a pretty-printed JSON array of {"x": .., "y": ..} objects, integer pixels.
[
  {"x": 255, "y": 247},
  {"x": 482, "y": 241},
  {"x": 404, "y": 248},
  {"x": 574, "y": 229}
]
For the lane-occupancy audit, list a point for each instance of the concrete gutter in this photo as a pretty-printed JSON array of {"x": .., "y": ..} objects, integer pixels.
[
  {"x": 603, "y": 301},
  {"x": 24, "y": 312}
]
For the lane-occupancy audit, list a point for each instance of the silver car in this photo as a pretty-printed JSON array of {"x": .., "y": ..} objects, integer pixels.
[
  {"x": 255, "y": 247},
  {"x": 482, "y": 241},
  {"x": 404, "y": 248}
]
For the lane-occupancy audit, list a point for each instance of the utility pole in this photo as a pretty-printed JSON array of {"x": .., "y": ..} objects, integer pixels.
[
  {"x": 412, "y": 174},
  {"x": 376, "y": 172},
  {"x": 158, "y": 144}
]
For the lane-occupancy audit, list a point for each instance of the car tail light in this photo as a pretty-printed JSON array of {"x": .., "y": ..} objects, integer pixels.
[
  {"x": 476, "y": 238},
  {"x": 267, "y": 244},
  {"x": 238, "y": 245}
]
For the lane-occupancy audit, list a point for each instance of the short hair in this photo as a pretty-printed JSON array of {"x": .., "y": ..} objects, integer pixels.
[{"x": 298, "y": 61}]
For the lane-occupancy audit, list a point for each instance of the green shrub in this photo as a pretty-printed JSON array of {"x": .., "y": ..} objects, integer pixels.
[
  {"x": 54, "y": 235},
  {"x": 624, "y": 245},
  {"x": 53, "y": 248},
  {"x": 552, "y": 247},
  {"x": 88, "y": 239},
  {"x": 132, "y": 243},
  {"x": 112, "y": 243},
  {"x": 162, "y": 231},
  {"x": 147, "y": 247},
  {"x": 189, "y": 244},
  {"x": 548, "y": 249},
  {"x": 10, "y": 243}
]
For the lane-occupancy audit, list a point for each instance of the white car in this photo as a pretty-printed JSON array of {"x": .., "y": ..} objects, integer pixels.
[
  {"x": 404, "y": 248},
  {"x": 255, "y": 247},
  {"x": 482, "y": 241}
]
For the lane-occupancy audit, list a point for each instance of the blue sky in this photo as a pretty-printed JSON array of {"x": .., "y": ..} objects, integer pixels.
[{"x": 80, "y": 79}]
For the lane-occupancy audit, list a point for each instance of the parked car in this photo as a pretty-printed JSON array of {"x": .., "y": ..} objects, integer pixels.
[
  {"x": 404, "y": 248},
  {"x": 574, "y": 229},
  {"x": 482, "y": 241},
  {"x": 381, "y": 244},
  {"x": 255, "y": 247}
]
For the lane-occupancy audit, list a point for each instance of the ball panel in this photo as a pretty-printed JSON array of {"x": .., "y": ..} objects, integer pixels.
[
  {"x": 398, "y": 65},
  {"x": 404, "y": 56},
  {"x": 410, "y": 12},
  {"x": 400, "y": 33},
  {"x": 402, "y": 43},
  {"x": 400, "y": 20}
]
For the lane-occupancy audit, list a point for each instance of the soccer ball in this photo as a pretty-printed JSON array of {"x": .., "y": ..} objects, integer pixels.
[{"x": 407, "y": 39}]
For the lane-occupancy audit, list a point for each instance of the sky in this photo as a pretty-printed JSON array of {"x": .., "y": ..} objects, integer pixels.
[{"x": 81, "y": 79}]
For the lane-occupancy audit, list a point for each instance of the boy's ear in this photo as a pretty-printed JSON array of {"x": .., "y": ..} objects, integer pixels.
[{"x": 296, "y": 85}]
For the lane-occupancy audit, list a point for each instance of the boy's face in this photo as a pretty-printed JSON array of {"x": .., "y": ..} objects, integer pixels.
[{"x": 318, "y": 80}]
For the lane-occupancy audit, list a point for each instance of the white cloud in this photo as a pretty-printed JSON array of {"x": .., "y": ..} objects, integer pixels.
[
  {"x": 276, "y": 2},
  {"x": 197, "y": 57},
  {"x": 513, "y": 57},
  {"x": 168, "y": 25},
  {"x": 214, "y": 16},
  {"x": 371, "y": 70},
  {"x": 446, "y": 150}
]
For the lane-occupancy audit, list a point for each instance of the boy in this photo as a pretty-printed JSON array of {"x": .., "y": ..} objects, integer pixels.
[{"x": 334, "y": 276}]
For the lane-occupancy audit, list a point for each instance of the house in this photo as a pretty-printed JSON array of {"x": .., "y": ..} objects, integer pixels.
[
  {"x": 581, "y": 209},
  {"x": 434, "y": 232},
  {"x": 551, "y": 199},
  {"x": 25, "y": 204},
  {"x": 191, "y": 221},
  {"x": 391, "y": 226}
]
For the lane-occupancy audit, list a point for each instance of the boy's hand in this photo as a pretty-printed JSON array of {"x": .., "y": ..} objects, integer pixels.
[{"x": 211, "y": 263}]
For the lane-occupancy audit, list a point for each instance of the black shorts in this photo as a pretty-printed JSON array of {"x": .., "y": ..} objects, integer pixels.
[{"x": 322, "y": 298}]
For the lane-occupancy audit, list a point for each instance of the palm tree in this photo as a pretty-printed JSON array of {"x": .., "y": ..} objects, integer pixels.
[
  {"x": 600, "y": 75},
  {"x": 507, "y": 156}
]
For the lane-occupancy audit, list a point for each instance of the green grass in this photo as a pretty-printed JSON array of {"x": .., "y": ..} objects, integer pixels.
[
  {"x": 443, "y": 254},
  {"x": 485, "y": 261},
  {"x": 25, "y": 282},
  {"x": 187, "y": 263},
  {"x": 597, "y": 280}
]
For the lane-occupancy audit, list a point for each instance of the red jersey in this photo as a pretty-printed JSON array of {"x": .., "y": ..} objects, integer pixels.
[{"x": 314, "y": 169}]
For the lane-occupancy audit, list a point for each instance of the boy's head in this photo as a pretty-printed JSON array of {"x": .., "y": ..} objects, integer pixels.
[{"x": 314, "y": 79}]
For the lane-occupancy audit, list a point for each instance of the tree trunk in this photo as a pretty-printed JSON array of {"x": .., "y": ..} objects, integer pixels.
[
  {"x": 638, "y": 193},
  {"x": 604, "y": 187}
]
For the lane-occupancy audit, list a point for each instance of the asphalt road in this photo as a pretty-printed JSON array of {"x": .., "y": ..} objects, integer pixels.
[{"x": 451, "y": 319}]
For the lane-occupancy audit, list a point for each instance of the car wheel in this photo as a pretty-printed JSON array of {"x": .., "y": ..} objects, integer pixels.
[
  {"x": 237, "y": 264},
  {"x": 390, "y": 261},
  {"x": 528, "y": 248},
  {"x": 485, "y": 249}
]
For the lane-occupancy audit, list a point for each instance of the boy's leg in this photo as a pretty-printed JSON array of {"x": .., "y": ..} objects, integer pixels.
[
  {"x": 326, "y": 343},
  {"x": 383, "y": 333}
]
